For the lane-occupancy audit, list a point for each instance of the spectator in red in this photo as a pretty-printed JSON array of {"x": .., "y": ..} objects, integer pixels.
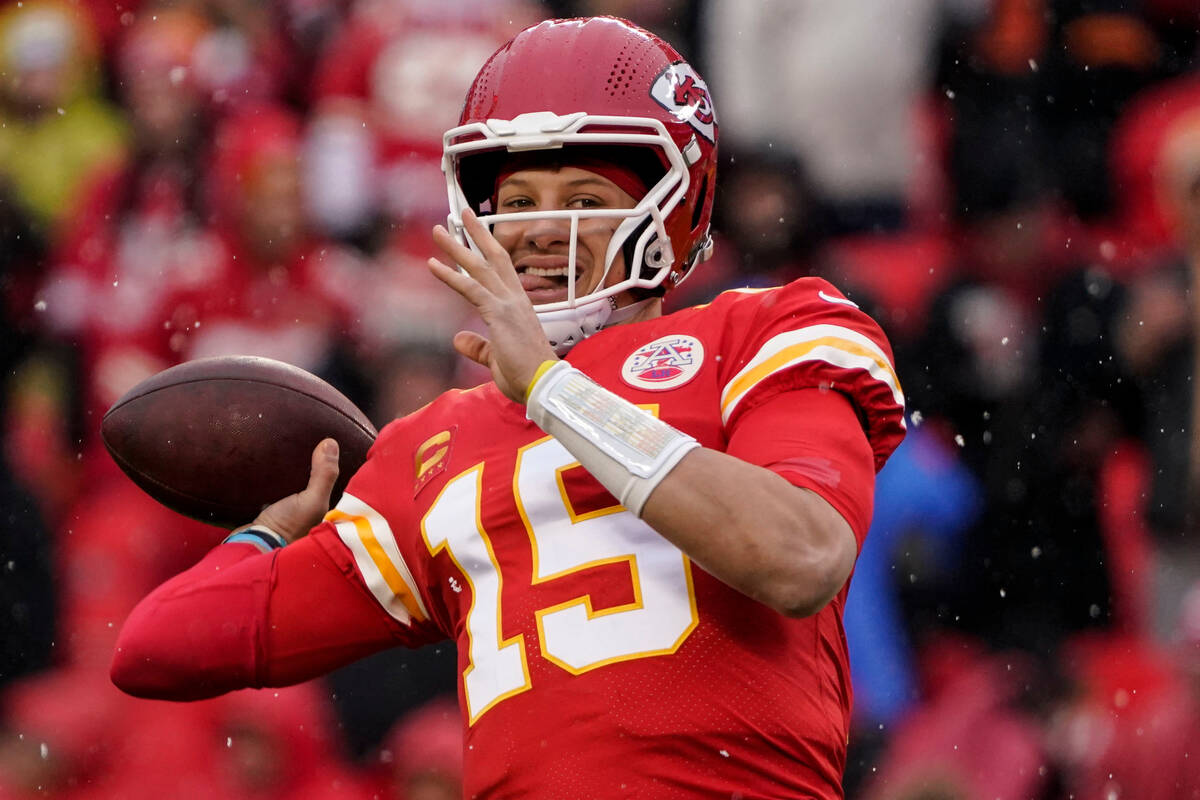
[
  {"x": 279, "y": 744},
  {"x": 179, "y": 258},
  {"x": 137, "y": 244},
  {"x": 66, "y": 734},
  {"x": 307, "y": 26},
  {"x": 56, "y": 737},
  {"x": 407, "y": 64},
  {"x": 1133, "y": 712},
  {"x": 970, "y": 741},
  {"x": 422, "y": 755},
  {"x": 290, "y": 294}
]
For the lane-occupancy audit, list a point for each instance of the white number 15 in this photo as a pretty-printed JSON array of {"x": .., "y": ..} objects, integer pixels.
[{"x": 571, "y": 634}]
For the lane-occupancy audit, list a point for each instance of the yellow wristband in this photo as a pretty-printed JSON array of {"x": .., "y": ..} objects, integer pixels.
[{"x": 537, "y": 376}]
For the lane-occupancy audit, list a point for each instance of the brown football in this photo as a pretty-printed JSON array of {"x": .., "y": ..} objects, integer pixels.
[{"x": 216, "y": 439}]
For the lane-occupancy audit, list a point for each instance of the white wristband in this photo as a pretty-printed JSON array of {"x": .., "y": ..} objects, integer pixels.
[{"x": 624, "y": 447}]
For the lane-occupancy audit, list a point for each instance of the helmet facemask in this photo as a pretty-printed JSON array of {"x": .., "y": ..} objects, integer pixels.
[{"x": 475, "y": 153}]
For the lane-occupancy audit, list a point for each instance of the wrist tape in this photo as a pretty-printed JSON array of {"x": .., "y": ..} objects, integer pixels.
[
  {"x": 260, "y": 536},
  {"x": 624, "y": 447}
]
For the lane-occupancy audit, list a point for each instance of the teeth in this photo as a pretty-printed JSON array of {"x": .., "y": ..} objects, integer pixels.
[{"x": 553, "y": 272}]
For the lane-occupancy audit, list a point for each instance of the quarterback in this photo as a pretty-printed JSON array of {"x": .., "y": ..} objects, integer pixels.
[{"x": 640, "y": 534}]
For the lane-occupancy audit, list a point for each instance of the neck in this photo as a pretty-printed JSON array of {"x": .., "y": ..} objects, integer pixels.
[{"x": 649, "y": 308}]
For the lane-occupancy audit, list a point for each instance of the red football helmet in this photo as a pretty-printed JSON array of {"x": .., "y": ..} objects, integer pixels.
[{"x": 594, "y": 89}]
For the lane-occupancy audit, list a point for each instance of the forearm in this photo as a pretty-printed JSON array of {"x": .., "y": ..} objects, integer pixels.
[
  {"x": 745, "y": 524},
  {"x": 197, "y": 635},
  {"x": 749, "y": 527},
  {"x": 242, "y": 619}
]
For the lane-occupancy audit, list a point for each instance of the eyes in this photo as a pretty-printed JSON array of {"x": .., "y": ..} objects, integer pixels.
[{"x": 522, "y": 202}]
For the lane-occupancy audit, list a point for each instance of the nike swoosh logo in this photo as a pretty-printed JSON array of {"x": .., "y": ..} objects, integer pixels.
[{"x": 831, "y": 299}]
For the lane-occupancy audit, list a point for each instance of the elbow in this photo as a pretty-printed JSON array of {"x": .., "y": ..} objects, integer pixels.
[
  {"x": 153, "y": 662},
  {"x": 144, "y": 665},
  {"x": 801, "y": 602},
  {"x": 820, "y": 549},
  {"x": 127, "y": 676},
  {"x": 810, "y": 582},
  {"x": 135, "y": 669}
]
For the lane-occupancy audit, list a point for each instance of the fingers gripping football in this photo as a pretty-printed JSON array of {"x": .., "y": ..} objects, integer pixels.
[
  {"x": 516, "y": 345},
  {"x": 293, "y": 516}
]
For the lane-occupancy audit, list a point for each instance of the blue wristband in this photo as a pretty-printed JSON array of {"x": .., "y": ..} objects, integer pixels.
[{"x": 261, "y": 537}]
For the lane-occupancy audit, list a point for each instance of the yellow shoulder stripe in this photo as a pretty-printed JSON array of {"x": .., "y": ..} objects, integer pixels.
[
  {"x": 832, "y": 344},
  {"x": 386, "y": 574}
]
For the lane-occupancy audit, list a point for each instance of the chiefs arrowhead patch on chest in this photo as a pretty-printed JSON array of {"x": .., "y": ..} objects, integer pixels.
[{"x": 665, "y": 363}]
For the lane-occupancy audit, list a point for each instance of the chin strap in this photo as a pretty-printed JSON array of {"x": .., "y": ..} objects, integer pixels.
[{"x": 568, "y": 327}]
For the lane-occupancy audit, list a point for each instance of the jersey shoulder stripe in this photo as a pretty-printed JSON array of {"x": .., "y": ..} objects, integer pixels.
[
  {"x": 370, "y": 539},
  {"x": 832, "y": 344}
]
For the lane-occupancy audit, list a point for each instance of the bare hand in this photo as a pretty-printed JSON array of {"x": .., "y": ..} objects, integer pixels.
[
  {"x": 517, "y": 345},
  {"x": 295, "y": 515}
]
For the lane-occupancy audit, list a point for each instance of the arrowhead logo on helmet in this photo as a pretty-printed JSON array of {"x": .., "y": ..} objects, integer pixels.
[{"x": 681, "y": 91}]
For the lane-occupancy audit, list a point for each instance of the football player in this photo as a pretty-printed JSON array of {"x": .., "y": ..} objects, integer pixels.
[{"x": 641, "y": 533}]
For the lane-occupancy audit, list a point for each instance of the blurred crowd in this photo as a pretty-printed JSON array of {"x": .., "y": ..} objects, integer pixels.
[{"x": 1011, "y": 187}]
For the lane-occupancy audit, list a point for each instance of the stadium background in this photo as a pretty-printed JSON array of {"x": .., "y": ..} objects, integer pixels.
[{"x": 1012, "y": 187}]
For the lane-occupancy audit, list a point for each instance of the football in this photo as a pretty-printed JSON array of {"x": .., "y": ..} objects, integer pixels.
[{"x": 217, "y": 439}]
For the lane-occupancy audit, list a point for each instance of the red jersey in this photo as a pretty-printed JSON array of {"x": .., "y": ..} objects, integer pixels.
[{"x": 595, "y": 659}]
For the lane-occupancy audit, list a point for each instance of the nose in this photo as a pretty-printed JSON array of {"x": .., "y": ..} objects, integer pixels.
[{"x": 545, "y": 234}]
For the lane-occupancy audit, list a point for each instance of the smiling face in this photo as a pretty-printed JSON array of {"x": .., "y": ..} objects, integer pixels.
[{"x": 540, "y": 247}]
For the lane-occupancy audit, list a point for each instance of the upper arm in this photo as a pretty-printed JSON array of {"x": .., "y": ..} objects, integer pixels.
[{"x": 813, "y": 439}]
